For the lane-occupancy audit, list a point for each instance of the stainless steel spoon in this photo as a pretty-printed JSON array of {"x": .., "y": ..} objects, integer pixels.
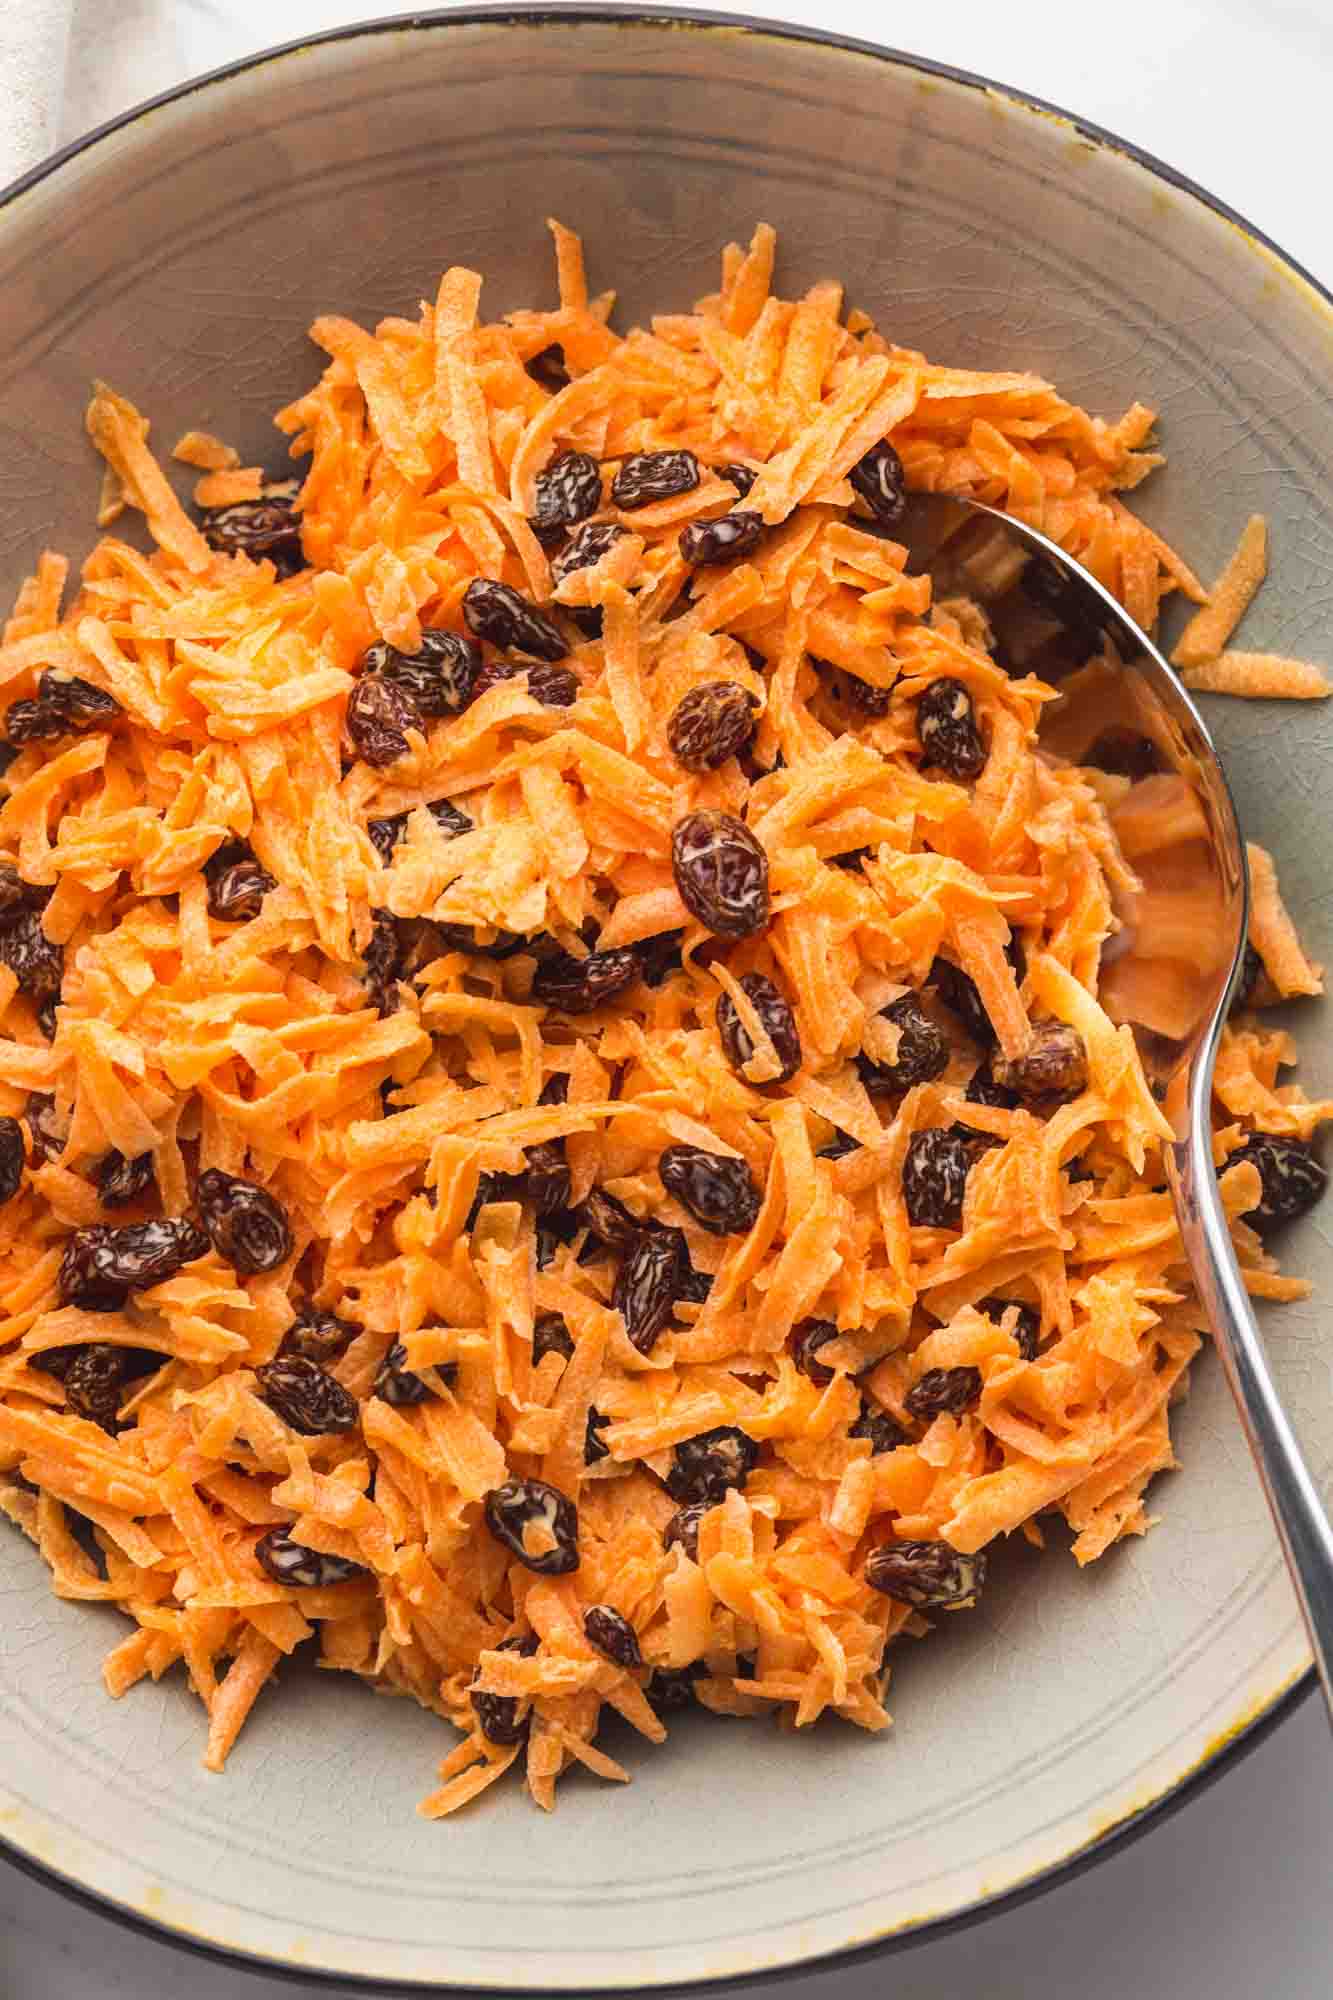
[{"x": 1173, "y": 968}]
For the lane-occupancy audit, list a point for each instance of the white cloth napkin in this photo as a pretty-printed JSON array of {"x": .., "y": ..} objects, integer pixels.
[{"x": 34, "y": 49}]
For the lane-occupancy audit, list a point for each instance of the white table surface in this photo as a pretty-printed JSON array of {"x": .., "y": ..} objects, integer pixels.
[{"x": 1229, "y": 1898}]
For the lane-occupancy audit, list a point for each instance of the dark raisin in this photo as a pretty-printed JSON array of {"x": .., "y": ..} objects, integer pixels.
[
  {"x": 16, "y": 895},
  {"x": 946, "y": 725},
  {"x": 461, "y": 937},
  {"x": 613, "y": 1635},
  {"x": 439, "y": 676},
  {"x": 551, "y": 1335},
  {"x": 654, "y": 475},
  {"x": 246, "y": 1226},
  {"x": 237, "y": 895},
  {"x": 711, "y": 723},
  {"x": 522, "y": 1503},
  {"x": 838, "y": 1147},
  {"x": 742, "y": 477},
  {"x": 554, "y": 687},
  {"x": 660, "y": 957},
  {"x": 673, "y": 1687},
  {"x": 879, "y": 480},
  {"x": 928, "y": 1575},
  {"x": 881, "y": 1429},
  {"x": 100, "y": 1265},
  {"x": 77, "y": 702},
  {"x": 319, "y": 1336},
  {"x": 548, "y": 368},
  {"x": 922, "y": 1054},
  {"x": 32, "y": 721},
  {"x": 580, "y": 985},
  {"x": 400, "y": 1385},
  {"x": 94, "y": 1380},
  {"x": 546, "y": 1178},
  {"x": 943, "y": 1392},
  {"x": 12, "y": 1158},
  {"x": 268, "y": 527},
  {"x": 306, "y": 1396},
  {"x": 1125, "y": 753},
  {"x": 718, "y": 1190},
  {"x": 935, "y": 1178},
  {"x": 1054, "y": 1064},
  {"x": 594, "y": 1451},
  {"x": 861, "y": 695},
  {"x": 48, "y": 1128},
  {"x": 586, "y": 547},
  {"x": 386, "y": 833},
  {"x": 555, "y": 1090},
  {"x": 1292, "y": 1179},
  {"x": 503, "y": 1718},
  {"x": 564, "y": 494},
  {"x": 609, "y": 1220},
  {"x": 695, "y": 1286},
  {"x": 1251, "y": 970},
  {"x": 379, "y": 715},
  {"x": 301, "y": 1568},
  {"x": 682, "y": 1530},
  {"x": 496, "y": 612},
  {"x": 983, "y": 1087},
  {"x": 720, "y": 541},
  {"x": 37, "y": 964},
  {"x": 121, "y": 1181},
  {"x": 648, "y": 1284},
  {"x": 383, "y": 961},
  {"x": 777, "y": 1017},
  {"x": 551, "y": 1231},
  {"x": 1028, "y": 1330},
  {"x": 704, "y": 1468},
  {"x": 809, "y": 1336},
  {"x": 721, "y": 872},
  {"x": 959, "y": 994}
]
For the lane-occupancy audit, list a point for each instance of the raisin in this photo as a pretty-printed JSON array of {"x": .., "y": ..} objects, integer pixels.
[
  {"x": 385, "y": 834},
  {"x": 1028, "y": 1330},
  {"x": 861, "y": 695},
  {"x": 439, "y": 676},
  {"x": 32, "y": 721},
  {"x": 1291, "y": 1178},
  {"x": 551, "y": 1335},
  {"x": 959, "y": 994},
  {"x": 711, "y": 723},
  {"x": 306, "y": 1396},
  {"x": 721, "y": 873},
  {"x": 77, "y": 703},
  {"x": 946, "y": 725},
  {"x": 319, "y": 1336},
  {"x": 648, "y": 1284},
  {"x": 554, "y": 687},
  {"x": 586, "y": 547},
  {"x": 100, "y": 1265},
  {"x": 943, "y": 1391},
  {"x": 928, "y": 1575},
  {"x": 121, "y": 1181},
  {"x": 654, "y": 475},
  {"x": 695, "y": 1286},
  {"x": 379, "y": 715},
  {"x": 520, "y": 1503},
  {"x": 495, "y": 612},
  {"x": 551, "y": 1232},
  {"x": 742, "y": 477},
  {"x": 807, "y": 1339},
  {"x": 580, "y": 985},
  {"x": 673, "y": 1687},
  {"x": 984, "y": 1088},
  {"x": 461, "y": 937},
  {"x": 1251, "y": 970},
  {"x": 935, "y": 1178},
  {"x": 398, "y": 1384},
  {"x": 268, "y": 527},
  {"x": 1054, "y": 1064},
  {"x": 704, "y": 1468},
  {"x": 777, "y": 1017},
  {"x": 594, "y": 1451},
  {"x": 237, "y": 894},
  {"x": 682, "y": 1530},
  {"x": 503, "y": 1718},
  {"x": 609, "y": 1220},
  {"x": 16, "y": 895},
  {"x": 564, "y": 494},
  {"x": 922, "y": 1054},
  {"x": 301, "y": 1568},
  {"x": 245, "y": 1224},
  {"x": 879, "y": 480},
  {"x": 47, "y": 1127},
  {"x": 613, "y": 1635},
  {"x": 881, "y": 1429},
  {"x": 1125, "y": 753},
  {"x": 660, "y": 957},
  {"x": 546, "y": 1177},
  {"x": 383, "y": 961},
  {"x": 718, "y": 1190},
  {"x": 94, "y": 1380},
  {"x": 12, "y": 1158},
  {"x": 732, "y": 535},
  {"x": 555, "y": 1090},
  {"x": 548, "y": 368},
  {"x": 37, "y": 964}
]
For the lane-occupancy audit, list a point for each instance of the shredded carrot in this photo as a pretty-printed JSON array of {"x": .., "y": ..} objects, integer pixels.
[{"x": 352, "y": 969}]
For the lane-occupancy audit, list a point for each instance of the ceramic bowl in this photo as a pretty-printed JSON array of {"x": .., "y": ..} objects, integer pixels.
[{"x": 181, "y": 253}]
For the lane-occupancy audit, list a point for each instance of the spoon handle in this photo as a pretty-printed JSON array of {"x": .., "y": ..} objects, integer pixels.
[{"x": 1293, "y": 1497}]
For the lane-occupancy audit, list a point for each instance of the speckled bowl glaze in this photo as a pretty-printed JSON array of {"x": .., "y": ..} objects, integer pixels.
[{"x": 181, "y": 253}]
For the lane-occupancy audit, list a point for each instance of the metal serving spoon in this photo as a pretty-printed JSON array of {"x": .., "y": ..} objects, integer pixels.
[{"x": 1173, "y": 968}]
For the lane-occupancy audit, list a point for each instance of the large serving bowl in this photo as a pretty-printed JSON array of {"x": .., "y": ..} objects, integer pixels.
[{"x": 181, "y": 254}]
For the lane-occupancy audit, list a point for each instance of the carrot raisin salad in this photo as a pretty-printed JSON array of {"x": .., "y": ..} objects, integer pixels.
[{"x": 560, "y": 1142}]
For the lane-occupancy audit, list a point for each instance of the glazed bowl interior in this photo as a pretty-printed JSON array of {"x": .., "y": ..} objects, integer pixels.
[{"x": 182, "y": 256}]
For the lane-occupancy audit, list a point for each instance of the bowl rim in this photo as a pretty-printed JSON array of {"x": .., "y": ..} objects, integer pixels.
[{"x": 1258, "y": 1720}]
